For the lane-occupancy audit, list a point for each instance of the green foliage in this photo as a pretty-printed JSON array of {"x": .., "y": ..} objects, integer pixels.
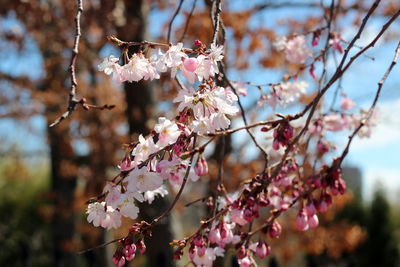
[{"x": 24, "y": 218}]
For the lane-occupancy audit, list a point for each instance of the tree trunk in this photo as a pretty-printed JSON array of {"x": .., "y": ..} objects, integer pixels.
[
  {"x": 139, "y": 100},
  {"x": 63, "y": 180}
]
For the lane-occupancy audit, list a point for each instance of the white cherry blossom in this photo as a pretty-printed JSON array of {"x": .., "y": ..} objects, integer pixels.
[
  {"x": 149, "y": 196},
  {"x": 143, "y": 180},
  {"x": 168, "y": 132},
  {"x": 129, "y": 209},
  {"x": 112, "y": 219},
  {"x": 97, "y": 213},
  {"x": 109, "y": 65},
  {"x": 144, "y": 149}
]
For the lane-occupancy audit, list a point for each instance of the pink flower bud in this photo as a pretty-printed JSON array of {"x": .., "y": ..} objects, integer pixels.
[
  {"x": 302, "y": 220},
  {"x": 275, "y": 144},
  {"x": 201, "y": 167},
  {"x": 141, "y": 246},
  {"x": 275, "y": 230},
  {"x": 323, "y": 147},
  {"x": 241, "y": 252},
  {"x": 178, "y": 254},
  {"x": 262, "y": 250},
  {"x": 237, "y": 216},
  {"x": 335, "y": 42},
  {"x": 214, "y": 236},
  {"x": 126, "y": 164},
  {"x": 115, "y": 260},
  {"x": 197, "y": 43},
  {"x": 315, "y": 39},
  {"x": 312, "y": 71},
  {"x": 130, "y": 252},
  {"x": 245, "y": 262},
  {"x": 310, "y": 208},
  {"x": 190, "y": 64},
  {"x": 199, "y": 241},
  {"x": 313, "y": 221},
  {"x": 288, "y": 132},
  {"x": 248, "y": 215},
  {"x": 343, "y": 186},
  {"x": 322, "y": 206},
  {"x": 121, "y": 262},
  {"x": 224, "y": 230}
]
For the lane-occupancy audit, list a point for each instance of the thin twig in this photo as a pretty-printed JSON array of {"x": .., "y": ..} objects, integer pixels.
[
  {"x": 188, "y": 21},
  {"x": 373, "y": 105},
  {"x": 216, "y": 15},
  {"x": 172, "y": 20},
  {"x": 73, "y": 101},
  {"x": 178, "y": 195}
]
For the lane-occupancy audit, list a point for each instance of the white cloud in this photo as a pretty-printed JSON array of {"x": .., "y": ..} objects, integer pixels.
[
  {"x": 387, "y": 179},
  {"x": 387, "y": 132}
]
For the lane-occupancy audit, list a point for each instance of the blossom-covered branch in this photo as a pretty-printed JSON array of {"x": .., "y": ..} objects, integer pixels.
[{"x": 206, "y": 103}]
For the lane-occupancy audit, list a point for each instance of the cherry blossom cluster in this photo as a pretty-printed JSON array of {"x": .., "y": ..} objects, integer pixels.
[
  {"x": 172, "y": 154},
  {"x": 200, "y": 67},
  {"x": 275, "y": 194},
  {"x": 295, "y": 49},
  {"x": 336, "y": 121},
  {"x": 200, "y": 112},
  {"x": 283, "y": 93}
]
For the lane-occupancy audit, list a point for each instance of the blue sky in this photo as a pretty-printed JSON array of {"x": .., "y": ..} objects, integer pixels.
[{"x": 377, "y": 157}]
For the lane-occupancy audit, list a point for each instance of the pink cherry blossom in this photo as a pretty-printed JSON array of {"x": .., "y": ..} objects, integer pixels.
[
  {"x": 109, "y": 65},
  {"x": 336, "y": 122},
  {"x": 335, "y": 42},
  {"x": 296, "y": 50},
  {"x": 346, "y": 103},
  {"x": 126, "y": 164},
  {"x": 237, "y": 216}
]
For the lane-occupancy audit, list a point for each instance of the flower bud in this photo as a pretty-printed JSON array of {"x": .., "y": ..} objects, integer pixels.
[
  {"x": 245, "y": 262},
  {"x": 275, "y": 230},
  {"x": 310, "y": 208},
  {"x": 214, "y": 236},
  {"x": 201, "y": 167},
  {"x": 262, "y": 250},
  {"x": 241, "y": 252},
  {"x": 198, "y": 43},
  {"x": 121, "y": 262},
  {"x": 190, "y": 64},
  {"x": 178, "y": 254},
  {"x": 126, "y": 164},
  {"x": 302, "y": 220},
  {"x": 313, "y": 221},
  {"x": 141, "y": 246}
]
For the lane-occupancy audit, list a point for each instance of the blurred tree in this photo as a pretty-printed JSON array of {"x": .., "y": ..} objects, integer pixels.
[
  {"x": 24, "y": 214},
  {"x": 380, "y": 248}
]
